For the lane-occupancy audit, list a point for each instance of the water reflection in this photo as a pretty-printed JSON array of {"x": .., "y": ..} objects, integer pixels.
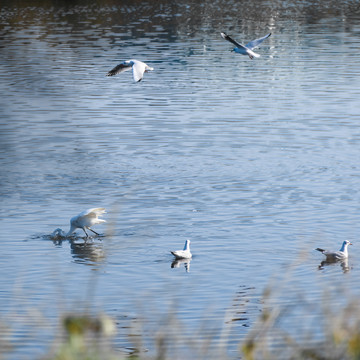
[
  {"x": 241, "y": 304},
  {"x": 178, "y": 262},
  {"x": 83, "y": 249},
  {"x": 57, "y": 236},
  {"x": 168, "y": 19},
  {"x": 88, "y": 253},
  {"x": 343, "y": 263}
]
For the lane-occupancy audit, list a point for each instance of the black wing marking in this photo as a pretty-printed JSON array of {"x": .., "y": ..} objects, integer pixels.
[
  {"x": 119, "y": 69},
  {"x": 228, "y": 38}
]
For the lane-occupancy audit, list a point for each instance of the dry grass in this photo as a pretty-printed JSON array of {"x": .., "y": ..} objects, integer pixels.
[
  {"x": 89, "y": 338},
  {"x": 303, "y": 329}
]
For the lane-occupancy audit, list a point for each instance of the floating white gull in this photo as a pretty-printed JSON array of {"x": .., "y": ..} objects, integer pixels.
[
  {"x": 337, "y": 255},
  {"x": 183, "y": 254},
  {"x": 138, "y": 68},
  {"x": 246, "y": 49},
  {"x": 86, "y": 219}
]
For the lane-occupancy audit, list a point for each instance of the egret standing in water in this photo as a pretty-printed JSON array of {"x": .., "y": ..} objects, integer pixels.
[{"x": 86, "y": 219}]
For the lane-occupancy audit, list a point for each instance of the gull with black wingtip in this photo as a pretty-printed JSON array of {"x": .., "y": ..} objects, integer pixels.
[
  {"x": 138, "y": 68},
  {"x": 248, "y": 48},
  {"x": 342, "y": 254}
]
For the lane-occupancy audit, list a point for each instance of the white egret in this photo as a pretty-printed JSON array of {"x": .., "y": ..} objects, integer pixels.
[{"x": 86, "y": 219}]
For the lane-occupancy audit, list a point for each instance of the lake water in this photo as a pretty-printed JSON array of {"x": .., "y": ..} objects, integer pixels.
[{"x": 255, "y": 161}]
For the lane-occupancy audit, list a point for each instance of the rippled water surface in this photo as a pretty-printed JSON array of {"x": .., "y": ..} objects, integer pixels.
[{"x": 255, "y": 161}]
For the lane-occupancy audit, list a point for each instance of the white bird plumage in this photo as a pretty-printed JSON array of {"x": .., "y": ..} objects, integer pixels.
[
  {"x": 337, "y": 255},
  {"x": 246, "y": 49},
  {"x": 138, "y": 68},
  {"x": 183, "y": 254},
  {"x": 86, "y": 219}
]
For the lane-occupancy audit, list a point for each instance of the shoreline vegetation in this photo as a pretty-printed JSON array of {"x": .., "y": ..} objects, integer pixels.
[{"x": 280, "y": 332}]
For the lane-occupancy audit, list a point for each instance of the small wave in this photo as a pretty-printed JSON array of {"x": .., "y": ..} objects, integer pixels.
[{"x": 57, "y": 235}]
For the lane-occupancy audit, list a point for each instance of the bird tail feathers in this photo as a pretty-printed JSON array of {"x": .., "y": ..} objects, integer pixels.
[{"x": 252, "y": 54}]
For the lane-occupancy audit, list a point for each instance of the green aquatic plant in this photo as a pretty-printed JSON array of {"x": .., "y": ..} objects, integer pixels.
[{"x": 85, "y": 338}]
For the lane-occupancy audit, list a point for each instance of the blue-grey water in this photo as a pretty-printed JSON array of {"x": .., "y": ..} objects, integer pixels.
[{"x": 255, "y": 161}]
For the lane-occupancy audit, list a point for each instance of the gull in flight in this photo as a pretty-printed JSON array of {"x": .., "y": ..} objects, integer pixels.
[
  {"x": 138, "y": 68},
  {"x": 342, "y": 254},
  {"x": 183, "y": 254},
  {"x": 246, "y": 49},
  {"x": 86, "y": 219}
]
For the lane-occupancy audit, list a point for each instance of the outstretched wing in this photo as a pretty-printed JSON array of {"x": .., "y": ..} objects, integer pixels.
[
  {"x": 228, "y": 38},
  {"x": 94, "y": 212},
  {"x": 90, "y": 217},
  {"x": 124, "y": 66},
  {"x": 253, "y": 44}
]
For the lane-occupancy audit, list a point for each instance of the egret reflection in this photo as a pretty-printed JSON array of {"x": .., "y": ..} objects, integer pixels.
[
  {"x": 59, "y": 235},
  {"x": 89, "y": 253},
  {"x": 85, "y": 250}
]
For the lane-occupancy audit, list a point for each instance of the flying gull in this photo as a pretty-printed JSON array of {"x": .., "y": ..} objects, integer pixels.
[
  {"x": 138, "y": 68},
  {"x": 246, "y": 49}
]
